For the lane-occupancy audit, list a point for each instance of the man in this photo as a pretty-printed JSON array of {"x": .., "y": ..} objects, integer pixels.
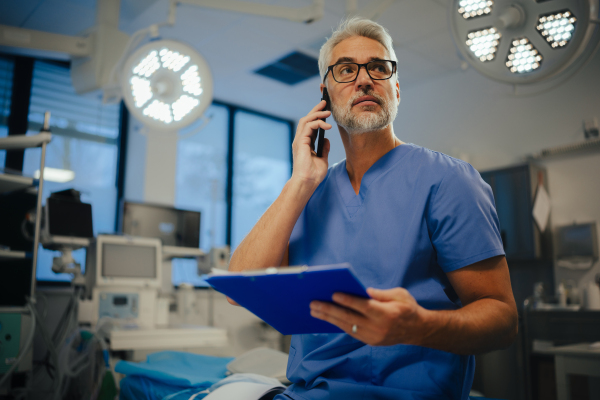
[{"x": 418, "y": 227}]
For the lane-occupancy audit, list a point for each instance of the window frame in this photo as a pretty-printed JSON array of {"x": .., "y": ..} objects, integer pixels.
[{"x": 233, "y": 109}]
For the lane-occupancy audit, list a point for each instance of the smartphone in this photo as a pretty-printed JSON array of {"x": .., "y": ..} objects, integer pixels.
[{"x": 321, "y": 134}]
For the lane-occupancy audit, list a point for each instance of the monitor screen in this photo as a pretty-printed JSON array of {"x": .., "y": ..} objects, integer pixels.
[
  {"x": 128, "y": 261},
  {"x": 172, "y": 226},
  {"x": 576, "y": 241},
  {"x": 69, "y": 218}
]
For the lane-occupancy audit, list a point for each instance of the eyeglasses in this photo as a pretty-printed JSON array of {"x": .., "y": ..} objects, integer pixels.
[{"x": 378, "y": 70}]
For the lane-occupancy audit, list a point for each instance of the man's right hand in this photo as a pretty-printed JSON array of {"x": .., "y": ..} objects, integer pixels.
[{"x": 308, "y": 168}]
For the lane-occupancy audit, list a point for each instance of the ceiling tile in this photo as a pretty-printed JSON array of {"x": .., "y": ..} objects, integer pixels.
[
  {"x": 16, "y": 12},
  {"x": 63, "y": 16},
  {"x": 411, "y": 20}
]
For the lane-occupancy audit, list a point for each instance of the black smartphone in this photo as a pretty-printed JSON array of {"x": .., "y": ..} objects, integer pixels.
[{"x": 321, "y": 134}]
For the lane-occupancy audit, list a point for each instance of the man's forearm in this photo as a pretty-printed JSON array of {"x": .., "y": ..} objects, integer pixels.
[
  {"x": 484, "y": 325},
  {"x": 267, "y": 242}
]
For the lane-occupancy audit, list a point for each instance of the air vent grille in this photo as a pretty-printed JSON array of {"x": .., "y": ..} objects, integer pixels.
[{"x": 291, "y": 69}]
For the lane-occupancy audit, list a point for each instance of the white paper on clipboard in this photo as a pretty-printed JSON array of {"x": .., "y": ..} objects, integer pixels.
[{"x": 541, "y": 208}]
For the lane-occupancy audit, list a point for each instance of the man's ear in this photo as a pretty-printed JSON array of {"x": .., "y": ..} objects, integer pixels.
[
  {"x": 321, "y": 87},
  {"x": 398, "y": 91}
]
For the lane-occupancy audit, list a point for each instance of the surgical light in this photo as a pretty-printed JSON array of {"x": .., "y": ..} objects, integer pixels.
[
  {"x": 525, "y": 41},
  {"x": 166, "y": 84},
  {"x": 523, "y": 57},
  {"x": 557, "y": 28},
  {"x": 484, "y": 43},
  {"x": 474, "y": 8}
]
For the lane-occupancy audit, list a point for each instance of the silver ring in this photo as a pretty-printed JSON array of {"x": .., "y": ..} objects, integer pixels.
[{"x": 354, "y": 328}]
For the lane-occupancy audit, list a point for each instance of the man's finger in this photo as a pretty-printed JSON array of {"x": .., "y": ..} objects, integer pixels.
[
  {"x": 356, "y": 303},
  {"x": 232, "y": 301},
  {"x": 342, "y": 321},
  {"x": 388, "y": 294},
  {"x": 335, "y": 311},
  {"x": 313, "y": 128},
  {"x": 319, "y": 106},
  {"x": 368, "y": 307}
]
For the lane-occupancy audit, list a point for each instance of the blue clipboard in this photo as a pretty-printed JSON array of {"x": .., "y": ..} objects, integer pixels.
[{"x": 281, "y": 296}]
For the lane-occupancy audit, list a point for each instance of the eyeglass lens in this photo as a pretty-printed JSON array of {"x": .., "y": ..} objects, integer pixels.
[{"x": 347, "y": 72}]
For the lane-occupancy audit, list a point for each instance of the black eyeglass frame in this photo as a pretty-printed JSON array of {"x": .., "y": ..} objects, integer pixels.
[{"x": 330, "y": 69}]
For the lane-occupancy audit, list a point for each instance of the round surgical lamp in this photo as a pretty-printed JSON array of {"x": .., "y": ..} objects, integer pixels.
[
  {"x": 524, "y": 41},
  {"x": 166, "y": 85}
]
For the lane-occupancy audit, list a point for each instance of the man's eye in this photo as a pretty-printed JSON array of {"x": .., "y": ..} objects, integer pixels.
[
  {"x": 346, "y": 70},
  {"x": 379, "y": 68}
]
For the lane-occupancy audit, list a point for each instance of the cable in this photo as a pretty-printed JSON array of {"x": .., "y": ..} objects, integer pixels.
[
  {"x": 41, "y": 296},
  {"x": 25, "y": 349},
  {"x": 77, "y": 353}
]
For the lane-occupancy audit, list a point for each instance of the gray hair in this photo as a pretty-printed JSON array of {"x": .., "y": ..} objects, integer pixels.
[{"x": 355, "y": 27}]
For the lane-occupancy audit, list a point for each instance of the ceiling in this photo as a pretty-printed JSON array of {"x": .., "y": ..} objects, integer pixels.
[{"x": 236, "y": 44}]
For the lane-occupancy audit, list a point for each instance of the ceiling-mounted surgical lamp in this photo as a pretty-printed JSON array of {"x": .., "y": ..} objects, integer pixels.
[
  {"x": 525, "y": 41},
  {"x": 166, "y": 85}
]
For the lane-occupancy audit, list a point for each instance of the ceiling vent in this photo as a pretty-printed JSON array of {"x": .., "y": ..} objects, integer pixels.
[{"x": 291, "y": 69}]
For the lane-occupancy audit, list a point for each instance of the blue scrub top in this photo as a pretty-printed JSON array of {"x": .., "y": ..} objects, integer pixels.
[{"x": 419, "y": 215}]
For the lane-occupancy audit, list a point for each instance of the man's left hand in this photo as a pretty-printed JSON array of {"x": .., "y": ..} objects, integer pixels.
[{"x": 389, "y": 317}]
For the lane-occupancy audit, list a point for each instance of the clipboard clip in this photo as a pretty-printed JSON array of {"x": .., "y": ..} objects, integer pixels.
[{"x": 286, "y": 270}]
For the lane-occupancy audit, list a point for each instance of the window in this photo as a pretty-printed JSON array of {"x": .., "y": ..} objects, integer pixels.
[
  {"x": 201, "y": 185},
  {"x": 85, "y": 141},
  {"x": 262, "y": 166},
  {"x": 6, "y": 72}
]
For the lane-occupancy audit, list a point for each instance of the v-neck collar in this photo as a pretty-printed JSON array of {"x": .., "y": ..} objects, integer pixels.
[{"x": 354, "y": 201}]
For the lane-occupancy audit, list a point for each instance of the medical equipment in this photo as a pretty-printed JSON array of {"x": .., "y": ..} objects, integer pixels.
[
  {"x": 124, "y": 261},
  {"x": 122, "y": 280},
  {"x": 17, "y": 254},
  {"x": 14, "y": 342},
  {"x": 218, "y": 258},
  {"x": 577, "y": 246},
  {"x": 174, "y": 227},
  {"x": 66, "y": 226},
  {"x": 124, "y": 306},
  {"x": 66, "y": 215}
]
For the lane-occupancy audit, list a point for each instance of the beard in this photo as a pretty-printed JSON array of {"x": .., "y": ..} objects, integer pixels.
[{"x": 372, "y": 120}]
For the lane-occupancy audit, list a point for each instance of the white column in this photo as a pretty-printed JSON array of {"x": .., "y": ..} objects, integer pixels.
[{"x": 161, "y": 162}]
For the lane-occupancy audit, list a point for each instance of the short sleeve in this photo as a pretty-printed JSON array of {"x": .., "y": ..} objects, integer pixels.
[{"x": 462, "y": 220}]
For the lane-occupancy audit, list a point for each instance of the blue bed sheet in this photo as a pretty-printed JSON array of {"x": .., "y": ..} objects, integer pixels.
[{"x": 168, "y": 372}]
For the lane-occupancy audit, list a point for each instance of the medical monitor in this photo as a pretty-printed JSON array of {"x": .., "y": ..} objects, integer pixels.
[
  {"x": 68, "y": 217},
  {"x": 172, "y": 226},
  {"x": 577, "y": 241},
  {"x": 127, "y": 261}
]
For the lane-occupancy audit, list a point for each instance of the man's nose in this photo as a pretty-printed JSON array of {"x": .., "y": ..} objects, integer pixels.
[{"x": 363, "y": 79}]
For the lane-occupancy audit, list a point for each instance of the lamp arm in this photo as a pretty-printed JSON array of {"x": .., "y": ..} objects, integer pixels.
[
  {"x": 308, "y": 14},
  {"x": 77, "y": 46}
]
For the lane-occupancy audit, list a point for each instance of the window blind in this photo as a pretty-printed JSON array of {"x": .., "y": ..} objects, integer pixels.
[
  {"x": 78, "y": 116},
  {"x": 6, "y": 75}
]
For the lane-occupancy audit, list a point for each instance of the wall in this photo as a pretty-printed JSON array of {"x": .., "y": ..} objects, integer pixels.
[{"x": 468, "y": 115}]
